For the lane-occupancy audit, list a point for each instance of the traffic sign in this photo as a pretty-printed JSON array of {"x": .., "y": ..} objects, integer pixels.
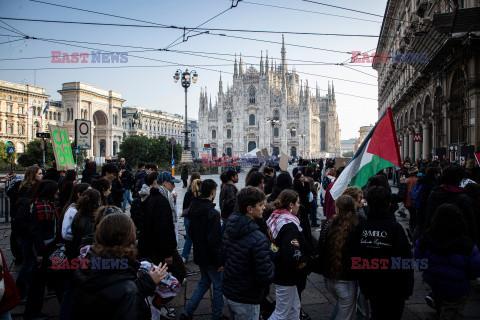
[
  {"x": 83, "y": 133},
  {"x": 43, "y": 135},
  {"x": 10, "y": 150},
  {"x": 172, "y": 142},
  {"x": 173, "y": 161},
  {"x": 42, "y": 145},
  {"x": 77, "y": 150}
]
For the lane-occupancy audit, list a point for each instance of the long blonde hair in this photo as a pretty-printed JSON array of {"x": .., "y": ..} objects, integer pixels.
[
  {"x": 343, "y": 223},
  {"x": 195, "y": 185}
]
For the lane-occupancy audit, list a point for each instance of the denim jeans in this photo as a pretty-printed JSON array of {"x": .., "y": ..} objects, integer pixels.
[
  {"x": 242, "y": 311},
  {"x": 126, "y": 198},
  {"x": 209, "y": 276},
  {"x": 287, "y": 306},
  {"x": 5, "y": 315},
  {"x": 23, "y": 278},
  {"x": 187, "y": 246},
  {"x": 345, "y": 292},
  {"x": 68, "y": 296}
]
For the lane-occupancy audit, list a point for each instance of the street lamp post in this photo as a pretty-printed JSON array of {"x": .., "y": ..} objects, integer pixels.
[
  {"x": 187, "y": 78},
  {"x": 292, "y": 130},
  {"x": 273, "y": 121},
  {"x": 303, "y": 135}
]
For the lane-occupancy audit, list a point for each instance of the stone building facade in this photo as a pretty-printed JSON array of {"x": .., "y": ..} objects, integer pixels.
[
  {"x": 153, "y": 123},
  {"x": 435, "y": 101},
  {"x": 238, "y": 121},
  {"x": 23, "y": 113},
  {"x": 363, "y": 131}
]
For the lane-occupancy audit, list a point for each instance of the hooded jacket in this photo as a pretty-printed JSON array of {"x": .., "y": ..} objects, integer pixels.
[
  {"x": 246, "y": 257},
  {"x": 380, "y": 237},
  {"x": 451, "y": 265},
  {"x": 158, "y": 231},
  {"x": 111, "y": 294},
  {"x": 228, "y": 199},
  {"x": 454, "y": 195},
  {"x": 205, "y": 232}
]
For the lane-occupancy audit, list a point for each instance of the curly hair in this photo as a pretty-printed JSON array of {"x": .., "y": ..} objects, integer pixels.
[
  {"x": 343, "y": 223},
  {"x": 87, "y": 204},
  {"x": 286, "y": 197},
  {"x": 115, "y": 237},
  {"x": 355, "y": 192}
]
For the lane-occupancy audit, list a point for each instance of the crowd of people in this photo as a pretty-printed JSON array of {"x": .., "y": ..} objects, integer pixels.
[{"x": 76, "y": 237}]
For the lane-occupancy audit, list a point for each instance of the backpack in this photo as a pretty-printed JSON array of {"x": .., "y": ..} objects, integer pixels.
[
  {"x": 23, "y": 216},
  {"x": 416, "y": 196}
]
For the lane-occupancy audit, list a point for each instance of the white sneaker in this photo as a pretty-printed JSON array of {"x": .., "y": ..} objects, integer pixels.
[{"x": 168, "y": 313}]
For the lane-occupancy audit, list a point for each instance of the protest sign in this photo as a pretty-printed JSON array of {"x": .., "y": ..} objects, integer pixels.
[
  {"x": 283, "y": 162},
  {"x": 62, "y": 148}
]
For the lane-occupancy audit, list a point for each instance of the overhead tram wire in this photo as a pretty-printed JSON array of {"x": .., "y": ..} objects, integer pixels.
[
  {"x": 219, "y": 29},
  {"x": 179, "y": 64},
  {"x": 216, "y": 58},
  {"x": 13, "y": 29},
  {"x": 11, "y": 41},
  {"x": 370, "y": 75},
  {"x": 100, "y": 13},
  {"x": 348, "y": 9},
  {"x": 309, "y": 11}
]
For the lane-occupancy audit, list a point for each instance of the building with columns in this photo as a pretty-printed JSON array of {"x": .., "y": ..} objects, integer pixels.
[
  {"x": 155, "y": 123},
  {"x": 435, "y": 99},
  {"x": 103, "y": 108},
  {"x": 363, "y": 131},
  {"x": 23, "y": 113},
  {"x": 238, "y": 121}
]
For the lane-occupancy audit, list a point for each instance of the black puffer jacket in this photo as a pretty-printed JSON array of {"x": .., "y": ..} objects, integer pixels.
[
  {"x": 88, "y": 175},
  {"x": 381, "y": 237},
  {"x": 205, "y": 232},
  {"x": 246, "y": 258},
  {"x": 111, "y": 294},
  {"x": 158, "y": 231}
]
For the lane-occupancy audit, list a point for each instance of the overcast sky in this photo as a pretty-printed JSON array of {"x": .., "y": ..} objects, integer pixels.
[{"x": 153, "y": 88}]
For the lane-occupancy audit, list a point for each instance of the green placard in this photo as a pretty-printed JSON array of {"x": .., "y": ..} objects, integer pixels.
[{"x": 62, "y": 148}]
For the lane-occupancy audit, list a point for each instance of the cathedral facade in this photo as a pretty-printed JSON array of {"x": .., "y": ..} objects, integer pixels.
[{"x": 305, "y": 124}]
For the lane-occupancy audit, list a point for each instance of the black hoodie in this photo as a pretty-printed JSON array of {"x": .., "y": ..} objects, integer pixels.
[
  {"x": 111, "y": 294},
  {"x": 246, "y": 257},
  {"x": 205, "y": 232}
]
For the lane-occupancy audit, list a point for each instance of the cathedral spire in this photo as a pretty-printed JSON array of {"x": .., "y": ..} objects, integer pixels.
[
  {"x": 210, "y": 108},
  {"x": 333, "y": 92},
  {"x": 261, "y": 62},
  {"x": 201, "y": 100},
  {"x": 235, "y": 69},
  {"x": 301, "y": 91},
  {"x": 307, "y": 93},
  {"x": 284, "y": 56},
  {"x": 266, "y": 64},
  {"x": 317, "y": 91},
  {"x": 240, "y": 71},
  {"x": 329, "y": 91},
  {"x": 220, "y": 84}
]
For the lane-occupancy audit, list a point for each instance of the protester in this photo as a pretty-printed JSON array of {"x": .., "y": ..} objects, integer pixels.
[
  {"x": 314, "y": 196},
  {"x": 10, "y": 297},
  {"x": 380, "y": 180},
  {"x": 245, "y": 256},
  {"x": 123, "y": 162},
  {"x": 112, "y": 174},
  {"x": 284, "y": 181},
  {"x": 381, "y": 237},
  {"x": 115, "y": 292},
  {"x": 336, "y": 252},
  {"x": 82, "y": 225},
  {"x": 425, "y": 184},
  {"x": 291, "y": 259},
  {"x": 270, "y": 179},
  {"x": 90, "y": 172},
  {"x": 66, "y": 186},
  {"x": 411, "y": 182},
  {"x": 66, "y": 220},
  {"x": 228, "y": 195},
  {"x": 127, "y": 183},
  {"x": 357, "y": 196},
  {"x": 184, "y": 175},
  {"x": 249, "y": 173},
  {"x": 142, "y": 174},
  {"x": 453, "y": 260},
  {"x": 206, "y": 236},
  {"x": 193, "y": 192},
  {"x": 329, "y": 178},
  {"x": 158, "y": 230},
  {"x": 256, "y": 180},
  {"x": 103, "y": 186},
  {"x": 450, "y": 192},
  {"x": 44, "y": 218},
  {"x": 473, "y": 192},
  {"x": 329, "y": 203}
]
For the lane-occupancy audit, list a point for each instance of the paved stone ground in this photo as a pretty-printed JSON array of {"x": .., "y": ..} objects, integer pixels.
[{"x": 316, "y": 300}]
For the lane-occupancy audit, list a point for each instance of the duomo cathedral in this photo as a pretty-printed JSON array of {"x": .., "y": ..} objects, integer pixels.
[{"x": 305, "y": 124}]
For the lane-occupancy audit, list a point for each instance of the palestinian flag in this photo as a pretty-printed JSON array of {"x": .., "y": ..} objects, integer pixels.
[{"x": 378, "y": 151}]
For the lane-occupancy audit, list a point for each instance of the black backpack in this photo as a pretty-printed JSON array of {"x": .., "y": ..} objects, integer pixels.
[{"x": 23, "y": 216}]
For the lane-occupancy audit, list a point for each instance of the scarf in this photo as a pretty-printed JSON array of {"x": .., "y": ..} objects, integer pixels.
[
  {"x": 164, "y": 192},
  {"x": 278, "y": 219}
]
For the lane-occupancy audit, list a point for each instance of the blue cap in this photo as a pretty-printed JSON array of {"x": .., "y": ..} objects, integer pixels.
[{"x": 166, "y": 176}]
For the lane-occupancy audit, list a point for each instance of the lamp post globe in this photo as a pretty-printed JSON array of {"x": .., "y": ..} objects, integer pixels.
[{"x": 186, "y": 81}]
